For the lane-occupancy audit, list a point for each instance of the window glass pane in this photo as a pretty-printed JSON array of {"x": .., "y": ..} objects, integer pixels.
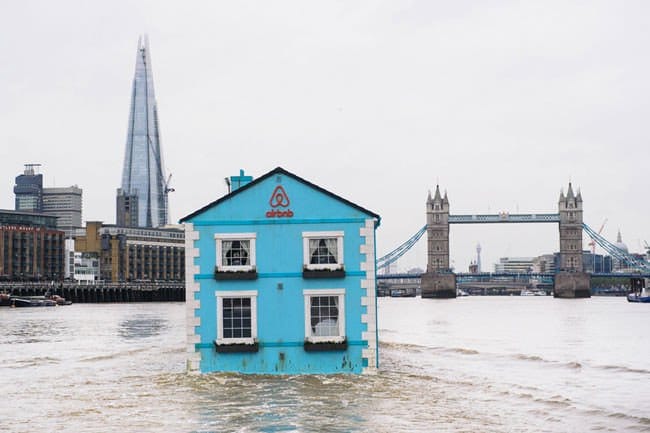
[
  {"x": 236, "y": 320},
  {"x": 235, "y": 253},
  {"x": 323, "y": 251},
  {"x": 324, "y": 316}
]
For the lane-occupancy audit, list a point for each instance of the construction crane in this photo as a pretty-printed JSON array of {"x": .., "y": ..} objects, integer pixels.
[
  {"x": 593, "y": 241},
  {"x": 167, "y": 187}
]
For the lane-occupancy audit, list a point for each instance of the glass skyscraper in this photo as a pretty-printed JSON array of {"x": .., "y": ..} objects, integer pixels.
[
  {"x": 29, "y": 189},
  {"x": 142, "y": 199}
]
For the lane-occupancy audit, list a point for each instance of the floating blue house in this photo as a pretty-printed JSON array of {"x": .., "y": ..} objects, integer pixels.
[{"x": 281, "y": 279}]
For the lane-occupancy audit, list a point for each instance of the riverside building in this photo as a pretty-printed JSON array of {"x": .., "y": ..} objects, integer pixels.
[
  {"x": 133, "y": 254},
  {"x": 31, "y": 247},
  {"x": 281, "y": 280}
]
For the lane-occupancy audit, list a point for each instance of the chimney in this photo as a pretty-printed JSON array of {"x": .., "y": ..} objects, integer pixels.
[{"x": 237, "y": 182}]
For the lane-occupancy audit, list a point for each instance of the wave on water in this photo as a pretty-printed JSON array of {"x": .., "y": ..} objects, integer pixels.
[
  {"x": 530, "y": 357},
  {"x": 420, "y": 348},
  {"x": 573, "y": 364},
  {"x": 113, "y": 355},
  {"x": 462, "y": 350},
  {"x": 623, "y": 369},
  {"x": 33, "y": 362}
]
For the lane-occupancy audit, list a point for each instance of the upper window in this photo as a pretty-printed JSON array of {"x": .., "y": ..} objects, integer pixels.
[
  {"x": 323, "y": 250},
  {"x": 235, "y": 251},
  {"x": 324, "y": 315},
  {"x": 237, "y": 317}
]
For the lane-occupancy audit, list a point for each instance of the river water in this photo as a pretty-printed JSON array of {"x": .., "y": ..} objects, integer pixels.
[{"x": 473, "y": 364}]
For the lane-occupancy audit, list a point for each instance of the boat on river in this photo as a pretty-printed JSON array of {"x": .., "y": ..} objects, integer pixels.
[
  {"x": 532, "y": 292},
  {"x": 640, "y": 291},
  {"x": 37, "y": 301},
  {"x": 32, "y": 301}
]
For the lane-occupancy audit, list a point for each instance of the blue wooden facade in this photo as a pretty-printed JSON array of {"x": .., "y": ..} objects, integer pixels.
[{"x": 281, "y": 280}]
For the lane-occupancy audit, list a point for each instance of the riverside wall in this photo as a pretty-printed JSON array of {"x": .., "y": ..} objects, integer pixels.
[{"x": 102, "y": 292}]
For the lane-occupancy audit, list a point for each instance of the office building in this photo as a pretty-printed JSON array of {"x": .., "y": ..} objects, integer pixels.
[
  {"x": 142, "y": 198},
  {"x": 29, "y": 189},
  {"x": 66, "y": 204}
]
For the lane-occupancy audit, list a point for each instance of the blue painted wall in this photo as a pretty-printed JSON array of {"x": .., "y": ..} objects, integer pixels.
[{"x": 279, "y": 261}]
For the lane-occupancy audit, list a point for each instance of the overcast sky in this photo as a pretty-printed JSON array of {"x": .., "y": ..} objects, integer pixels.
[{"x": 502, "y": 103}]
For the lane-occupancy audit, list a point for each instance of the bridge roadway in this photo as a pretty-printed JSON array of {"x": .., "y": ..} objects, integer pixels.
[
  {"x": 487, "y": 275},
  {"x": 505, "y": 217},
  {"x": 482, "y": 283}
]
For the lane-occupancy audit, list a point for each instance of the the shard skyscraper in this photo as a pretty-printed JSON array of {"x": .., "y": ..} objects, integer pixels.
[{"x": 142, "y": 198}]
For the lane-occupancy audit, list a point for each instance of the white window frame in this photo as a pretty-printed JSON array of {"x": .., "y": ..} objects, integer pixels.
[
  {"x": 306, "y": 236},
  {"x": 220, "y": 237},
  {"x": 252, "y": 294},
  {"x": 308, "y": 293}
]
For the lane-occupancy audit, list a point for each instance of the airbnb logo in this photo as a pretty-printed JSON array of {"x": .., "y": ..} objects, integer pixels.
[{"x": 279, "y": 199}]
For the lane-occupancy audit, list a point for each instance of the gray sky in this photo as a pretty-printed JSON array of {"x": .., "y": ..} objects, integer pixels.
[{"x": 502, "y": 103}]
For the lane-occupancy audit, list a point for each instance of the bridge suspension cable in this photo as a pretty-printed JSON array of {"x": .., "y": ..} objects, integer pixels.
[
  {"x": 616, "y": 252},
  {"x": 398, "y": 252}
]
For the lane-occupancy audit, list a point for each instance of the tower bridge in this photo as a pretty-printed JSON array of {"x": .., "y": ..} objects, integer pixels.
[{"x": 439, "y": 280}]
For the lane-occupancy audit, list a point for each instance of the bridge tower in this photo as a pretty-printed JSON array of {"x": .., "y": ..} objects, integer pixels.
[
  {"x": 438, "y": 281},
  {"x": 571, "y": 281},
  {"x": 437, "y": 232}
]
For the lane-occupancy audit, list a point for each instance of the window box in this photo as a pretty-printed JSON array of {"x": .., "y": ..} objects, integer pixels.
[
  {"x": 323, "y": 273},
  {"x": 326, "y": 346},
  {"x": 236, "y": 347},
  {"x": 234, "y": 275}
]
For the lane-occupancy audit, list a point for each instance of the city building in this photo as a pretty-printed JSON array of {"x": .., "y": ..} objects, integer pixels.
[
  {"x": 132, "y": 253},
  {"x": 620, "y": 265},
  {"x": 81, "y": 267},
  {"x": 546, "y": 263},
  {"x": 514, "y": 265},
  {"x": 142, "y": 198},
  {"x": 31, "y": 247},
  {"x": 596, "y": 263},
  {"x": 281, "y": 279},
  {"x": 29, "y": 189},
  {"x": 64, "y": 203}
]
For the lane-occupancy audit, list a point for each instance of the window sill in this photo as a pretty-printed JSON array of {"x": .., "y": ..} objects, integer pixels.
[
  {"x": 235, "y": 275},
  {"x": 236, "y": 347},
  {"x": 323, "y": 273},
  {"x": 325, "y": 346}
]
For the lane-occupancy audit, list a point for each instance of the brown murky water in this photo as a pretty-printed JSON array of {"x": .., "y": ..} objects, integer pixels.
[{"x": 475, "y": 364}]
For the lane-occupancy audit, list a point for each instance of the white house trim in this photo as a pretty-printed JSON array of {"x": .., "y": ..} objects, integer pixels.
[
  {"x": 192, "y": 305},
  {"x": 370, "y": 299}
]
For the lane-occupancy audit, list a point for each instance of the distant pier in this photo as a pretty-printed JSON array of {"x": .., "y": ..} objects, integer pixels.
[{"x": 102, "y": 292}]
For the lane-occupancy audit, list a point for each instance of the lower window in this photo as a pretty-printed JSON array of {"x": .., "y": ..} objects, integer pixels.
[
  {"x": 324, "y": 315},
  {"x": 236, "y": 317}
]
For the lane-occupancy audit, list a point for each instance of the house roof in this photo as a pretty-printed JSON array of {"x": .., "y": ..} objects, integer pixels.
[{"x": 280, "y": 170}]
